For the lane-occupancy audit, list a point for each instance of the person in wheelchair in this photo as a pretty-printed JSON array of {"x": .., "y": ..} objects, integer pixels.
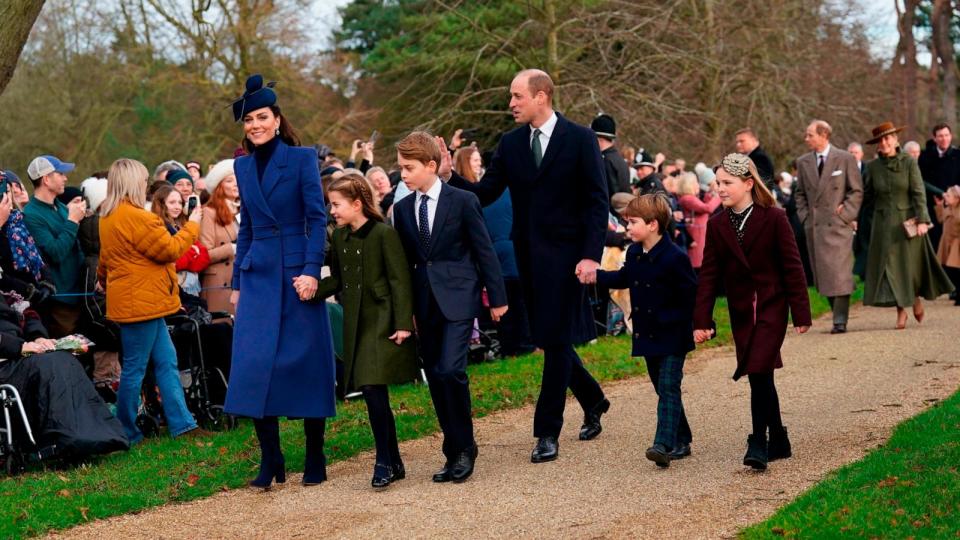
[{"x": 66, "y": 415}]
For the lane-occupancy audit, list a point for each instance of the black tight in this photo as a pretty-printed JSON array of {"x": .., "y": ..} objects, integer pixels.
[
  {"x": 382, "y": 423},
  {"x": 764, "y": 404}
]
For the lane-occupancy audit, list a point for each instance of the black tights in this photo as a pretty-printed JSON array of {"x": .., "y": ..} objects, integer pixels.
[
  {"x": 382, "y": 424},
  {"x": 764, "y": 404}
]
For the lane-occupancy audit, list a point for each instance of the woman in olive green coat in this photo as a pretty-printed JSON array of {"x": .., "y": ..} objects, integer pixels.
[
  {"x": 900, "y": 269},
  {"x": 369, "y": 270}
]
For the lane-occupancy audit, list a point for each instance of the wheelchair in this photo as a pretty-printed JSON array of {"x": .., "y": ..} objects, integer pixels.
[{"x": 13, "y": 454}]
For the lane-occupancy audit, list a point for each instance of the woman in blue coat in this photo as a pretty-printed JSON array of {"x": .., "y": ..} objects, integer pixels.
[{"x": 282, "y": 347}]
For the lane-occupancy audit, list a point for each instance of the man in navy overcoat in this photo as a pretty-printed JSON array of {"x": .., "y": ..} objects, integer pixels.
[{"x": 555, "y": 174}]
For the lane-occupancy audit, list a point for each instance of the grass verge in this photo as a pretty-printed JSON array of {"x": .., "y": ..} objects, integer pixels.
[
  {"x": 165, "y": 470},
  {"x": 907, "y": 488}
]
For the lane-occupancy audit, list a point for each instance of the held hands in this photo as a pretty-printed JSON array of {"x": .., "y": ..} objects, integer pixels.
[
  {"x": 587, "y": 271},
  {"x": 701, "y": 336},
  {"x": 445, "y": 167},
  {"x": 399, "y": 336},
  {"x": 306, "y": 287},
  {"x": 76, "y": 209},
  {"x": 497, "y": 313},
  {"x": 234, "y": 298}
]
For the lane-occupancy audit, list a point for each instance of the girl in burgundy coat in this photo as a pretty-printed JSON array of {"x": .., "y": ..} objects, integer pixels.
[{"x": 751, "y": 250}]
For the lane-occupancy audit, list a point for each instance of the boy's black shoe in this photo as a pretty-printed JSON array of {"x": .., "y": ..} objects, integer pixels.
[
  {"x": 659, "y": 454},
  {"x": 443, "y": 475},
  {"x": 839, "y": 329},
  {"x": 756, "y": 456},
  {"x": 779, "y": 445},
  {"x": 546, "y": 450},
  {"x": 680, "y": 451}
]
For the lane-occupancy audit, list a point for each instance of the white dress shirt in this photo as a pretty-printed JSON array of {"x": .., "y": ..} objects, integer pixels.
[
  {"x": 824, "y": 154},
  {"x": 432, "y": 195},
  {"x": 546, "y": 131}
]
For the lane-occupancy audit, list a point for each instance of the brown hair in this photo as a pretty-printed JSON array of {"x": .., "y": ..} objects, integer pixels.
[
  {"x": 461, "y": 163},
  {"x": 538, "y": 81},
  {"x": 159, "y": 206},
  {"x": 941, "y": 125},
  {"x": 419, "y": 146},
  {"x": 650, "y": 207},
  {"x": 759, "y": 192},
  {"x": 822, "y": 128},
  {"x": 218, "y": 203},
  {"x": 355, "y": 187},
  {"x": 745, "y": 131},
  {"x": 287, "y": 134}
]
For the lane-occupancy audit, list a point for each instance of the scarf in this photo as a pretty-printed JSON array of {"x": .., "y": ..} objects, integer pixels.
[{"x": 23, "y": 249}]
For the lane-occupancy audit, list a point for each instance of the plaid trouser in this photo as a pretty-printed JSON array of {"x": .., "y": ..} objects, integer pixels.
[{"x": 666, "y": 373}]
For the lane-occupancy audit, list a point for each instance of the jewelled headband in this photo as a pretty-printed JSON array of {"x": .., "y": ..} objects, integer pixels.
[{"x": 736, "y": 164}]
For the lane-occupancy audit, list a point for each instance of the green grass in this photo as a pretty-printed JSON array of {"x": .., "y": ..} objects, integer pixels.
[
  {"x": 165, "y": 470},
  {"x": 908, "y": 488}
]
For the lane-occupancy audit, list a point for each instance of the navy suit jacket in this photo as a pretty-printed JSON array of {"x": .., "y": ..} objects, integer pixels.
[
  {"x": 560, "y": 213},
  {"x": 461, "y": 258},
  {"x": 663, "y": 291}
]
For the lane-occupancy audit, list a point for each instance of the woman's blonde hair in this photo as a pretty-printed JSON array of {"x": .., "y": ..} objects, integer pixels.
[
  {"x": 687, "y": 184},
  {"x": 126, "y": 181}
]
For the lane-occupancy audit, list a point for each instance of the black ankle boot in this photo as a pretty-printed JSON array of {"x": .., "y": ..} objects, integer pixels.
[
  {"x": 779, "y": 445},
  {"x": 315, "y": 462},
  {"x": 271, "y": 456},
  {"x": 756, "y": 455},
  {"x": 382, "y": 476}
]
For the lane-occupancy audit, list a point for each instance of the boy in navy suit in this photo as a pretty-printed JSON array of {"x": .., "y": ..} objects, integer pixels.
[
  {"x": 451, "y": 258},
  {"x": 663, "y": 291}
]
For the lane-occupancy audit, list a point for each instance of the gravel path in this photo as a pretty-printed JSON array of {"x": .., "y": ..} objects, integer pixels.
[{"x": 840, "y": 395}]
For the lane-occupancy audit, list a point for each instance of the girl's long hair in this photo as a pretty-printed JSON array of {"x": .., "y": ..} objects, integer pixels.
[
  {"x": 761, "y": 195},
  {"x": 461, "y": 163},
  {"x": 126, "y": 181},
  {"x": 287, "y": 134},
  {"x": 354, "y": 187},
  {"x": 218, "y": 203},
  {"x": 159, "y": 206}
]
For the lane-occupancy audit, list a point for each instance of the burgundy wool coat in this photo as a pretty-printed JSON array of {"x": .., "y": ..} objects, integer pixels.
[{"x": 763, "y": 279}]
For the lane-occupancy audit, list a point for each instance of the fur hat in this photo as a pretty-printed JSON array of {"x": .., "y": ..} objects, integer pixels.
[
  {"x": 216, "y": 175},
  {"x": 95, "y": 191}
]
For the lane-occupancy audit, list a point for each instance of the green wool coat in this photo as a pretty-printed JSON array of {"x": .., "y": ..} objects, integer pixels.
[
  {"x": 899, "y": 269},
  {"x": 369, "y": 270}
]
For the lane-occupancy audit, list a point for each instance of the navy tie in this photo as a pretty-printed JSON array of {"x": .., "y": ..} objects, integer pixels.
[{"x": 424, "y": 223}]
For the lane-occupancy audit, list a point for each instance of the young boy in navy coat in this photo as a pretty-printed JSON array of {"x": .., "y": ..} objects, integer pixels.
[
  {"x": 663, "y": 291},
  {"x": 452, "y": 258}
]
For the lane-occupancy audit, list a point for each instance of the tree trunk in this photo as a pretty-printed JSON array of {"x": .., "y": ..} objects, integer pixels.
[
  {"x": 943, "y": 49},
  {"x": 553, "y": 62},
  {"x": 905, "y": 62},
  {"x": 17, "y": 18}
]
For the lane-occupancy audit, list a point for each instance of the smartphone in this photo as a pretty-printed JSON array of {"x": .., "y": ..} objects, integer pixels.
[
  {"x": 4, "y": 185},
  {"x": 374, "y": 136},
  {"x": 469, "y": 134},
  {"x": 192, "y": 204}
]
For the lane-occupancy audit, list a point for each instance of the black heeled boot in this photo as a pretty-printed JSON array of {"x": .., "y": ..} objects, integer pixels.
[
  {"x": 315, "y": 462},
  {"x": 271, "y": 456},
  {"x": 756, "y": 456},
  {"x": 382, "y": 476},
  {"x": 779, "y": 445}
]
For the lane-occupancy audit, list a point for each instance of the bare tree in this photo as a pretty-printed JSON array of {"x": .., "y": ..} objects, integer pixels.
[
  {"x": 905, "y": 65},
  {"x": 944, "y": 51},
  {"x": 18, "y": 17}
]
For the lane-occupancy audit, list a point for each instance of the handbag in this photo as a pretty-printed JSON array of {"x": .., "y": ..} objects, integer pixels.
[{"x": 910, "y": 227}]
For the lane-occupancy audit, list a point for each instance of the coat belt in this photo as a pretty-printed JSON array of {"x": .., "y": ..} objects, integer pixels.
[{"x": 290, "y": 228}]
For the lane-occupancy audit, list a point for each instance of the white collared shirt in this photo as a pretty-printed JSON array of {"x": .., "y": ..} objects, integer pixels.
[
  {"x": 432, "y": 195},
  {"x": 546, "y": 132},
  {"x": 825, "y": 153}
]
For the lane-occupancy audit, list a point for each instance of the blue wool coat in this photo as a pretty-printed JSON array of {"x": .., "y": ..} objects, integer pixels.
[
  {"x": 283, "y": 362},
  {"x": 663, "y": 290}
]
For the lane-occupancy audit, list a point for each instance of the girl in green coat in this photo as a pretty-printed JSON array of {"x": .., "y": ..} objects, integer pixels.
[
  {"x": 369, "y": 270},
  {"x": 900, "y": 269}
]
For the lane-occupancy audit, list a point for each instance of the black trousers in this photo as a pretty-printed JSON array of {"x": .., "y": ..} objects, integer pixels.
[
  {"x": 562, "y": 369},
  {"x": 443, "y": 346},
  {"x": 514, "y": 327},
  {"x": 382, "y": 424},
  {"x": 764, "y": 404},
  {"x": 841, "y": 308}
]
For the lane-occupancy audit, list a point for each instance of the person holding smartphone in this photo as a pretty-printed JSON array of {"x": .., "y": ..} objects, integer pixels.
[{"x": 168, "y": 203}]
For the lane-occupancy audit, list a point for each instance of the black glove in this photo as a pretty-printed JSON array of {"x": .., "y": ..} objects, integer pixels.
[{"x": 41, "y": 292}]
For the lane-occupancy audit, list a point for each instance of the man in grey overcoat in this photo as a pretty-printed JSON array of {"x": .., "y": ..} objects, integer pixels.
[{"x": 829, "y": 192}]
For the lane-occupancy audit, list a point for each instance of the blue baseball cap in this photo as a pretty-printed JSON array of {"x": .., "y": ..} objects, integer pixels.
[{"x": 44, "y": 165}]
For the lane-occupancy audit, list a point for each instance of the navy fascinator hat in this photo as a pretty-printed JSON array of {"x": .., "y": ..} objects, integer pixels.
[{"x": 255, "y": 96}]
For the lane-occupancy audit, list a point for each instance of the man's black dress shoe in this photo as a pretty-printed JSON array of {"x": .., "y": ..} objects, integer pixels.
[
  {"x": 659, "y": 454},
  {"x": 680, "y": 451},
  {"x": 546, "y": 450},
  {"x": 463, "y": 466},
  {"x": 839, "y": 329},
  {"x": 591, "y": 420},
  {"x": 443, "y": 475}
]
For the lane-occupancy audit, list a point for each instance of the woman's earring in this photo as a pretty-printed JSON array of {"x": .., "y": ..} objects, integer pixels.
[{"x": 277, "y": 132}]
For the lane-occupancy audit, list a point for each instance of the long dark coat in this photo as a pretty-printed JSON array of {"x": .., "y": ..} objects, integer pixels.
[
  {"x": 282, "y": 347},
  {"x": 369, "y": 270},
  {"x": 560, "y": 213},
  {"x": 763, "y": 279},
  {"x": 899, "y": 269}
]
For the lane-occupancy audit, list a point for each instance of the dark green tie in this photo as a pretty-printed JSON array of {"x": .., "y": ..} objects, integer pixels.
[{"x": 537, "y": 150}]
